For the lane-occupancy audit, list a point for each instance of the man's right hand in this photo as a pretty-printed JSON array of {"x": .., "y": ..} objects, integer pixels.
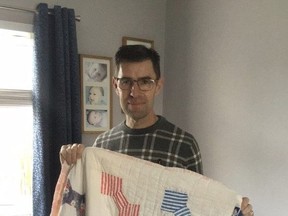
[{"x": 70, "y": 153}]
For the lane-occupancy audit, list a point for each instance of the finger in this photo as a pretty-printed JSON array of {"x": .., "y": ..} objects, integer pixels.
[
  {"x": 62, "y": 153},
  {"x": 74, "y": 153},
  {"x": 245, "y": 202},
  {"x": 80, "y": 149},
  {"x": 246, "y": 208},
  {"x": 68, "y": 155}
]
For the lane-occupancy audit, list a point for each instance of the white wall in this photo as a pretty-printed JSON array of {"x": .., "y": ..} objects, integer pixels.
[
  {"x": 226, "y": 82},
  {"x": 103, "y": 24}
]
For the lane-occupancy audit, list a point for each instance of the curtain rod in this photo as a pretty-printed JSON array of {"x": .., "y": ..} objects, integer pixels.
[{"x": 77, "y": 17}]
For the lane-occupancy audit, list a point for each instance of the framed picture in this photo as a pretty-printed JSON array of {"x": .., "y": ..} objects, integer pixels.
[
  {"x": 95, "y": 93},
  {"x": 135, "y": 41}
]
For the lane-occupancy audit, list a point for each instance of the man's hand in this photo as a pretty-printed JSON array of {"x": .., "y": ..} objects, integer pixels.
[
  {"x": 246, "y": 208},
  {"x": 70, "y": 153}
]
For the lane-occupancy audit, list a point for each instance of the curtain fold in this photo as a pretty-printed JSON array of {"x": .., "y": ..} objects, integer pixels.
[{"x": 56, "y": 98}]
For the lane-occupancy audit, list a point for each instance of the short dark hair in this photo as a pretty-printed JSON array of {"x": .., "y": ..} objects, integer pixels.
[{"x": 137, "y": 53}]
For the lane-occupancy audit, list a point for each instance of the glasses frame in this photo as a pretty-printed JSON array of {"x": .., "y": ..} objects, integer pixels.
[{"x": 137, "y": 81}]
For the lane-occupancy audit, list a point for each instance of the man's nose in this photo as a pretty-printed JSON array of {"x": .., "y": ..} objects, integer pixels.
[{"x": 135, "y": 90}]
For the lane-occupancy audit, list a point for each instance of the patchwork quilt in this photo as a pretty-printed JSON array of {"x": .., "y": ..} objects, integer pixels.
[{"x": 106, "y": 183}]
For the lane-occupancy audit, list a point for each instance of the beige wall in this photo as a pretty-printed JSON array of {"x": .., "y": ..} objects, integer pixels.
[
  {"x": 226, "y": 82},
  {"x": 103, "y": 23}
]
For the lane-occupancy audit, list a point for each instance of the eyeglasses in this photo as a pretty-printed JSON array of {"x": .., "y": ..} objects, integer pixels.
[{"x": 144, "y": 84}]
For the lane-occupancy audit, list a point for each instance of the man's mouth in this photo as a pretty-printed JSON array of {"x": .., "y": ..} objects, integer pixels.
[{"x": 135, "y": 102}]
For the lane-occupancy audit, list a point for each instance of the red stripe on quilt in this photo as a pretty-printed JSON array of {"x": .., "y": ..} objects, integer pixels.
[{"x": 112, "y": 186}]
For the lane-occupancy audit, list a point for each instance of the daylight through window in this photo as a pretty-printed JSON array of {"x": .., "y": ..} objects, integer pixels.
[{"x": 16, "y": 68}]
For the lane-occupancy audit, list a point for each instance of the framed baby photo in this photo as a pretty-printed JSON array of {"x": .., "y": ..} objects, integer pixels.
[
  {"x": 137, "y": 41},
  {"x": 96, "y": 96}
]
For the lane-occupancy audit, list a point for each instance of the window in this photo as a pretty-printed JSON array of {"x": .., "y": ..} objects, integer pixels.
[{"x": 16, "y": 116}]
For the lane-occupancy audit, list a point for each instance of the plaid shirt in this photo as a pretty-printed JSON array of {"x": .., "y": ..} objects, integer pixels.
[{"x": 162, "y": 143}]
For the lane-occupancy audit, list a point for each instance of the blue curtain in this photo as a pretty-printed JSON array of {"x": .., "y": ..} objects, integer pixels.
[{"x": 56, "y": 98}]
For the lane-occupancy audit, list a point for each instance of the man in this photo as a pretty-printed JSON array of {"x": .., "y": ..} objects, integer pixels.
[{"x": 143, "y": 134}]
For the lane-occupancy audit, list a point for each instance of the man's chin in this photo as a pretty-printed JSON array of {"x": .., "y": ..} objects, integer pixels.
[{"x": 135, "y": 114}]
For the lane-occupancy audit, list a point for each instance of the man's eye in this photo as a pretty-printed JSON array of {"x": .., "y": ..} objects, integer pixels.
[
  {"x": 125, "y": 81},
  {"x": 145, "y": 81}
]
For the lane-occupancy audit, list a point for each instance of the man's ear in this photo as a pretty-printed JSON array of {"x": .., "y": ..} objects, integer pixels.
[
  {"x": 159, "y": 85},
  {"x": 115, "y": 85}
]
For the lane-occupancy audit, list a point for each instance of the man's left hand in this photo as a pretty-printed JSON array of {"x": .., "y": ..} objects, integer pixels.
[{"x": 246, "y": 208}]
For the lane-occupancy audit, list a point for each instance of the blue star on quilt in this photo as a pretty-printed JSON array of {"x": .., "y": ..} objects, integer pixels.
[{"x": 176, "y": 203}]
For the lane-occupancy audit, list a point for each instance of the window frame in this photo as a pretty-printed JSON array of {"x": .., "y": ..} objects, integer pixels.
[
  {"x": 11, "y": 97},
  {"x": 15, "y": 97}
]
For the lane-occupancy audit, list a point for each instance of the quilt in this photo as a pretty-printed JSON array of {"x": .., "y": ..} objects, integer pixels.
[{"x": 107, "y": 183}]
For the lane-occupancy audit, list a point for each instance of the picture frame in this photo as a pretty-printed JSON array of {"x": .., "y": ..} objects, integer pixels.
[
  {"x": 133, "y": 41},
  {"x": 96, "y": 103}
]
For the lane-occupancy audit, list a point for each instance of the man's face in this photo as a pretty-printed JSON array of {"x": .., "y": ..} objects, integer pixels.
[{"x": 135, "y": 103}]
